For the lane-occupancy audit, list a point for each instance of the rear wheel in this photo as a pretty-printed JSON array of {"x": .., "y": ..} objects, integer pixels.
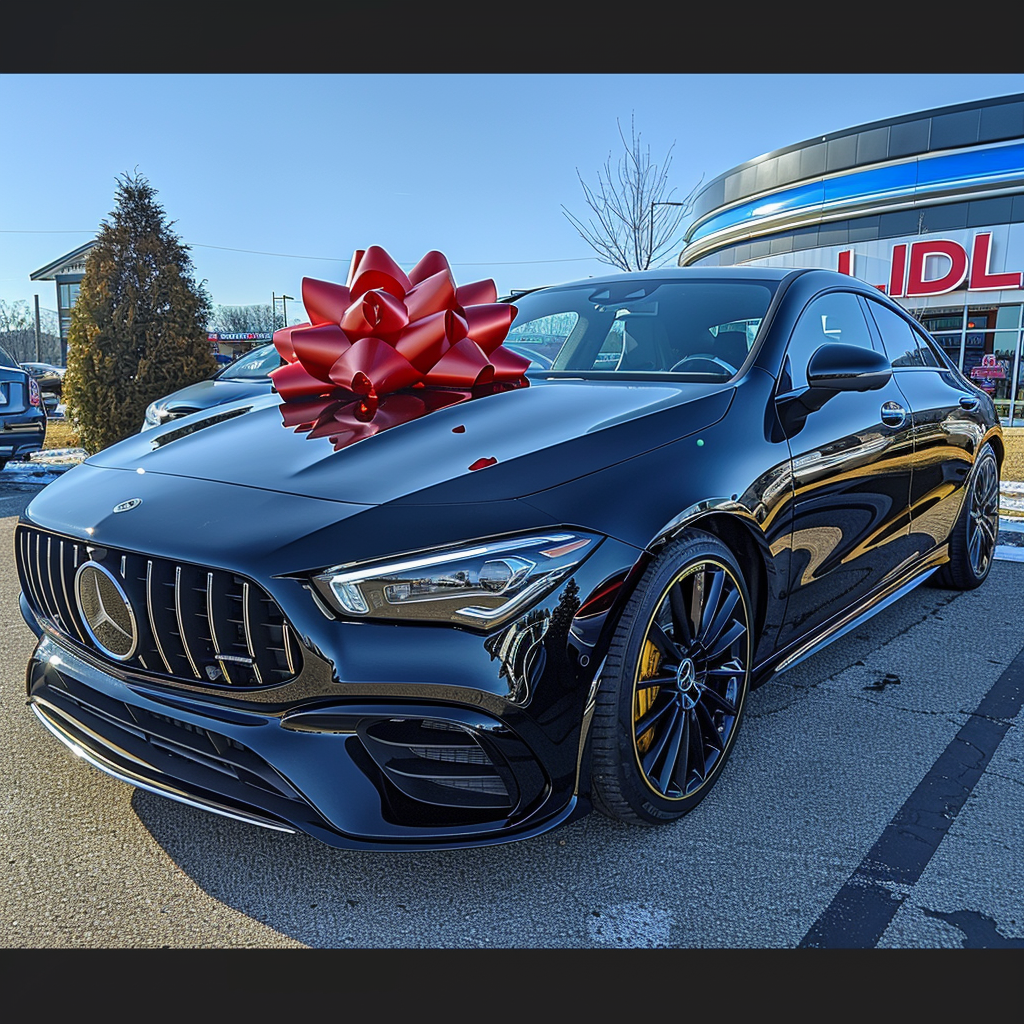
[
  {"x": 674, "y": 685},
  {"x": 972, "y": 543}
]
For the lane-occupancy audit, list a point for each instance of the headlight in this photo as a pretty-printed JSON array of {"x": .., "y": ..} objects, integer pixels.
[
  {"x": 153, "y": 418},
  {"x": 481, "y": 585}
]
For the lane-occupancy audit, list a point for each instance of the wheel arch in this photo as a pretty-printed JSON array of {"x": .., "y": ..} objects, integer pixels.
[
  {"x": 995, "y": 438},
  {"x": 744, "y": 539}
]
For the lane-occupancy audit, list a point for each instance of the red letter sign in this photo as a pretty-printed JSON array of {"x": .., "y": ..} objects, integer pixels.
[
  {"x": 952, "y": 279},
  {"x": 981, "y": 279}
]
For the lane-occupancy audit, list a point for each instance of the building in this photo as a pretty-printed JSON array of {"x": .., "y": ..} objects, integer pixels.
[
  {"x": 67, "y": 271},
  {"x": 929, "y": 207}
]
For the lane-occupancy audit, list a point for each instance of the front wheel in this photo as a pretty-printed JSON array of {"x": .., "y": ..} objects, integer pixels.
[{"x": 674, "y": 685}]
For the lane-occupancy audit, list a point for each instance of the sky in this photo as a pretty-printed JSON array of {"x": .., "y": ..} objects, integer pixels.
[{"x": 270, "y": 178}]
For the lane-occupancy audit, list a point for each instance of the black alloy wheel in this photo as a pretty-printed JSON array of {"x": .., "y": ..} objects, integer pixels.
[
  {"x": 972, "y": 543},
  {"x": 674, "y": 684}
]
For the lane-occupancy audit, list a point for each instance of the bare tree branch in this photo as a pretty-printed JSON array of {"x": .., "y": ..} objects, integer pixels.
[{"x": 633, "y": 219}]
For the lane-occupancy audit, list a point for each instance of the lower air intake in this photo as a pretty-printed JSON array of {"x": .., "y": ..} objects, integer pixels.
[{"x": 440, "y": 763}]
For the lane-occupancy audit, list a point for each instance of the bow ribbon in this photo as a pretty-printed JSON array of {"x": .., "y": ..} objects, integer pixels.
[{"x": 386, "y": 331}]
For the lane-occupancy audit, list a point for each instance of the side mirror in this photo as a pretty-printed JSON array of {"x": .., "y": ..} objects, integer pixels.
[
  {"x": 838, "y": 367},
  {"x": 833, "y": 368}
]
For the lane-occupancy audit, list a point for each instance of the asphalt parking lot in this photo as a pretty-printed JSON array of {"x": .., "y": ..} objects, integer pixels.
[{"x": 875, "y": 799}]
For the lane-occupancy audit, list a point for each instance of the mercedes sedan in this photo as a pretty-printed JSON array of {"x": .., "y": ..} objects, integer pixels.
[{"x": 393, "y": 611}]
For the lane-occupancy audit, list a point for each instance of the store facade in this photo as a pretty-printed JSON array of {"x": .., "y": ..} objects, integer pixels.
[{"x": 928, "y": 207}]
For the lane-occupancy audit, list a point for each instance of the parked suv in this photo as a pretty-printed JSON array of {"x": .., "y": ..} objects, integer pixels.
[{"x": 22, "y": 416}]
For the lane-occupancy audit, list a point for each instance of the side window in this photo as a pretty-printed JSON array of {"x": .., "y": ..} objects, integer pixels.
[
  {"x": 835, "y": 317},
  {"x": 903, "y": 345},
  {"x": 541, "y": 340}
]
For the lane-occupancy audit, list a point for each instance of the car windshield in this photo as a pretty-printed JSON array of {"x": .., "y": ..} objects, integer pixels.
[
  {"x": 697, "y": 329},
  {"x": 255, "y": 364}
]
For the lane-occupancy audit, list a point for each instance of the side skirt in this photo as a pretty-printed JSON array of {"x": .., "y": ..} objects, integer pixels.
[{"x": 874, "y": 604}]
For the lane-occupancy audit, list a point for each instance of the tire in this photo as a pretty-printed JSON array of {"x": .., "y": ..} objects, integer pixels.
[
  {"x": 972, "y": 542},
  {"x": 658, "y": 750}
]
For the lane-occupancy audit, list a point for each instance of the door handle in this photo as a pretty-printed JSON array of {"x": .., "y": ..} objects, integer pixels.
[
  {"x": 968, "y": 401},
  {"x": 893, "y": 414}
]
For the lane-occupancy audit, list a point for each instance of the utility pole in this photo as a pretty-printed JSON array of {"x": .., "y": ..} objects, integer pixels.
[
  {"x": 37, "y": 330},
  {"x": 654, "y": 203},
  {"x": 284, "y": 307}
]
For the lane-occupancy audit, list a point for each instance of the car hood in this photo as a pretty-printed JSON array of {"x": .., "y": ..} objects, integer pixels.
[
  {"x": 206, "y": 393},
  {"x": 523, "y": 441}
]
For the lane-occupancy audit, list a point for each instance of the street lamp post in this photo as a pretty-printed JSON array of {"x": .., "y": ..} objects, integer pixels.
[
  {"x": 284, "y": 306},
  {"x": 654, "y": 203}
]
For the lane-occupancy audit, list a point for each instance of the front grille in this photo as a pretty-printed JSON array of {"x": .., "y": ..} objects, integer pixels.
[{"x": 193, "y": 624}]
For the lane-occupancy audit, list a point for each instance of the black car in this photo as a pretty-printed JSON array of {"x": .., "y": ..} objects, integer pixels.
[
  {"x": 438, "y": 619},
  {"x": 245, "y": 377},
  {"x": 22, "y": 414}
]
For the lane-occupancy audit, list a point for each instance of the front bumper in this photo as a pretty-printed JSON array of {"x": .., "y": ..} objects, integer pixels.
[{"x": 434, "y": 737}]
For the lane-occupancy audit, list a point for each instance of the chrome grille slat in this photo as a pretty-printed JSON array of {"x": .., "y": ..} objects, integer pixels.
[
  {"x": 39, "y": 576},
  {"x": 248, "y": 632},
  {"x": 181, "y": 625},
  {"x": 152, "y": 620},
  {"x": 287, "y": 643},
  {"x": 213, "y": 626},
  {"x": 26, "y": 564},
  {"x": 67, "y": 600},
  {"x": 187, "y": 628},
  {"x": 53, "y": 590}
]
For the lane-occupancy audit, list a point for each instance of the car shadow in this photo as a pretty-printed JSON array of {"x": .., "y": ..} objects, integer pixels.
[{"x": 549, "y": 891}]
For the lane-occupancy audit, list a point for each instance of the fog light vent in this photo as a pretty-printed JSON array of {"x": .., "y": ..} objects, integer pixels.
[{"x": 439, "y": 763}]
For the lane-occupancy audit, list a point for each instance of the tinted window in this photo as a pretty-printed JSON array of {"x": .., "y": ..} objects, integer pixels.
[
  {"x": 903, "y": 345},
  {"x": 6, "y": 359},
  {"x": 835, "y": 317},
  {"x": 696, "y": 327},
  {"x": 255, "y": 364},
  {"x": 540, "y": 340}
]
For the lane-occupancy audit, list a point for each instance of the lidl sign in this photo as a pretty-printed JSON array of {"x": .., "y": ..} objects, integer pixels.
[{"x": 910, "y": 262}]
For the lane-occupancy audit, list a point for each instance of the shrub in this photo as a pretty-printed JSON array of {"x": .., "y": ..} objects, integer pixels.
[{"x": 138, "y": 327}]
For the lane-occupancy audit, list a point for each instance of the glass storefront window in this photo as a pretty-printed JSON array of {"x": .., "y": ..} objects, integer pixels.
[
  {"x": 950, "y": 345},
  {"x": 995, "y": 374},
  {"x": 944, "y": 322},
  {"x": 1008, "y": 317}
]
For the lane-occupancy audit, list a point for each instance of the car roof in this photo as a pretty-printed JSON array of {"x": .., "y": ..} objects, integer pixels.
[{"x": 768, "y": 274}]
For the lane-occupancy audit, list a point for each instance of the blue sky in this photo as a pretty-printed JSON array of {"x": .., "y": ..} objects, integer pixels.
[{"x": 311, "y": 167}]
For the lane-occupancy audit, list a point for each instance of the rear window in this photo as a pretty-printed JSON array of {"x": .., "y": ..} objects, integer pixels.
[
  {"x": 701, "y": 329},
  {"x": 6, "y": 359},
  {"x": 903, "y": 345}
]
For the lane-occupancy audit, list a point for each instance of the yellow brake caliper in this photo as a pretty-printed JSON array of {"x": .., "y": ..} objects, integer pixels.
[{"x": 650, "y": 658}]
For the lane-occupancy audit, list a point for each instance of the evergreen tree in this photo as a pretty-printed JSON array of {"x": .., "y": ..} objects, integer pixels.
[{"x": 138, "y": 328}]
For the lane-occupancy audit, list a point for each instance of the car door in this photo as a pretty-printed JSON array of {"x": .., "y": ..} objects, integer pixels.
[
  {"x": 851, "y": 463},
  {"x": 948, "y": 424}
]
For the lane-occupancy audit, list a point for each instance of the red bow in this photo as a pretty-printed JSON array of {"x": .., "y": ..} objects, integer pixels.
[{"x": 387, "y": 331}]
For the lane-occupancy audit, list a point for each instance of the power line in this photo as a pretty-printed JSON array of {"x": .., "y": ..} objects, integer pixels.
[{"x": 330, "y": 259}]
